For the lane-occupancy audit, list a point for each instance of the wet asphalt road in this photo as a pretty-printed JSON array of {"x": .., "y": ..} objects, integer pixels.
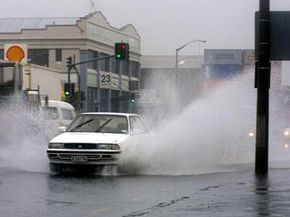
[{"x": 28, "y": 194}]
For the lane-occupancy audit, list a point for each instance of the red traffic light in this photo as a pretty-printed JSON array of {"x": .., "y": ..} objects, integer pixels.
[{"x": 122, "y": 51}]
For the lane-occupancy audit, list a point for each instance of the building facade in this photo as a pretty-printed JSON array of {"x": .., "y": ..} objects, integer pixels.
[
  {"x": 166, "y": 88},
  {"x": 104, "y": 83}
]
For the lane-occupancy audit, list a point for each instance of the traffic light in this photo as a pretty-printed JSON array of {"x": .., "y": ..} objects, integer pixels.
[
  {"x": 122, "y": 51},
  {"x": 132, "y": 98},
  {"x": 69, "y": 89},
  {"x": 68, "y": 61}
]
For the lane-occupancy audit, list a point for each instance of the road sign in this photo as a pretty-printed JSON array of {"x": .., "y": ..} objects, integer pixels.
[{"x": 279, "y": 35}]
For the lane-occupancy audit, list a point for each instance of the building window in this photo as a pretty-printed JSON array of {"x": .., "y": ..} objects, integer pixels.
[
  {"x": 2, "y": 54},
  {"x": 90, "y": 99},
  {"x": 118, "y": 66},
  {"x": 58, "y": 55},
  {"x": 146, "y": 79},
  {"x": 114, "y": 65},
  {"x": 135, "y": 69},
  {"x": 104, "y": 100},
  {"x": 38, "y": 56},
  {"x": 107, "y": 64},
  {"x": 125, "y": 67},
  {"x": 115, "y": 101},
  {"x": 101, "y": 62},
  {"x": 92, "y": 55}
]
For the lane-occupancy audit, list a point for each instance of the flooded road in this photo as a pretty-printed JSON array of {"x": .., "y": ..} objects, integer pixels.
[
  {"x": 182, "y": 169},
  {"x": 222, "y": 194}
]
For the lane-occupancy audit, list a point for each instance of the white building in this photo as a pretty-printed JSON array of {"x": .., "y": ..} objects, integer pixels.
[{"x": 50, "y": 41}]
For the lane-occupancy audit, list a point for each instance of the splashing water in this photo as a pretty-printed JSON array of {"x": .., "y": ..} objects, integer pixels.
[
  {"x": 209, "y": 134},
  {"x": 24, "y": 136},
  {"x": 204, "y": 137}
]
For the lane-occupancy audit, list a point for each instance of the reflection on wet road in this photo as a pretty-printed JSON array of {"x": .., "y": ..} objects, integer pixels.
[{"x": 221, "y": 194}]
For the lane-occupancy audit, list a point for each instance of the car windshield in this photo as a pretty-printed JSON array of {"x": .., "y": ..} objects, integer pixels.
[{"x": 99, "y": 124}]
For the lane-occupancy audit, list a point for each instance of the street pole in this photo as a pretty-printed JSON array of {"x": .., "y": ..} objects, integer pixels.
[
  {"x": 176, "y": 67},
  {"x": 79, "y": 87},
  {"x": 263, "y": 69},
  {"x": 176, "y": 57}
]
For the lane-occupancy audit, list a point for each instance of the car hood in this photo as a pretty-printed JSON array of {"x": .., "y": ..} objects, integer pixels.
[{"x": 78, "y": 137}]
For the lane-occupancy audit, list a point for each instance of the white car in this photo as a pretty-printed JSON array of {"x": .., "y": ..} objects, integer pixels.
[{"x": 94, "y": 139}]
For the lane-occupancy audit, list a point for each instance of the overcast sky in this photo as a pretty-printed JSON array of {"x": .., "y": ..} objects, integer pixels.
[{"x": 163, "y": 25}]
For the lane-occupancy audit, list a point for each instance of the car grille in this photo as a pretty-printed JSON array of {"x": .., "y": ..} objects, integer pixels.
[
  {"x": 90, "y": 152},
  {"x": 88, "y": 146},
  {"x": 81, "y": 146}
]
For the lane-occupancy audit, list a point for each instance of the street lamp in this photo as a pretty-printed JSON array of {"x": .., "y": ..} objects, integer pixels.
[
  {"x": 183, "y": 61},
  {"x": 176, "y": 55}
]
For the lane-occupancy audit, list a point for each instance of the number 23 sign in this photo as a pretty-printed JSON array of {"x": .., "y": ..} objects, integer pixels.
[{"x": 105, "y": 80}]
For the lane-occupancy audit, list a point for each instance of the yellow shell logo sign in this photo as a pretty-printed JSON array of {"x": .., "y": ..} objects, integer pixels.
[{"x": 15, "y": 53}]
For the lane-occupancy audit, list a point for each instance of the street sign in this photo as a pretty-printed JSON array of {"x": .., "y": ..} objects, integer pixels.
[{"x": 279, "y": 35}]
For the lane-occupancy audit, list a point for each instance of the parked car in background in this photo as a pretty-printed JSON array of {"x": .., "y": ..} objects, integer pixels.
[
  {"x": 94, "y": 139},
  {"x": 58, "y": 114}
]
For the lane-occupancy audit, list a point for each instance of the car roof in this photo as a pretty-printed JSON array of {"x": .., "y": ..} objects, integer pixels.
[
  {"x": 54, "y": 103},
  {"x": 109, "y": 113}
]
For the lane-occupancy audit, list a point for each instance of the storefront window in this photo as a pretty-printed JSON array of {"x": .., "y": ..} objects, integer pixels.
[{"x": 39, "y": 56}]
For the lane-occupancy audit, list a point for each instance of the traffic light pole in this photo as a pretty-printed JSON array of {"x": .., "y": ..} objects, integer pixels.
[
  {"x": 69, "y": 63},
  {"x": 263, "y": 69},
  {"x": 79, "y": 92},
  {"x": 89, "y": 61},
  {"x": 121, "y": 53},
  {"x": 73, "y": 65}
]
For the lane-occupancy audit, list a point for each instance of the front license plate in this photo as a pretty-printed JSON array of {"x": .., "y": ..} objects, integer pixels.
[{"x": 79, "y": 158}]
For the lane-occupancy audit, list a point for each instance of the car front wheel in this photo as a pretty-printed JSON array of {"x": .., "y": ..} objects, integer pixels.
[{"x": 56, "y": 168}]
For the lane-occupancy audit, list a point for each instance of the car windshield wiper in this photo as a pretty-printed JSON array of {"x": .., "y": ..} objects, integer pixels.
[
  {"x": 80, "y": 125},
  {"x": 102, "y": 126}
]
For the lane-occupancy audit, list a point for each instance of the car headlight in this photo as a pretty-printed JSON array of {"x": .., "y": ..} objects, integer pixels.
[
  {"x": 286, "y": 133},
  {"x": 115, "y": 147},
  {"x": 109, "y": 146},
  {"x": 55, "y": 145},
  {"x": 251, "y": 134}
]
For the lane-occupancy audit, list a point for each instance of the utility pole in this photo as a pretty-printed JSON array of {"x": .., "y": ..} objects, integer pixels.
[{"x": 263, "y": 69}]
